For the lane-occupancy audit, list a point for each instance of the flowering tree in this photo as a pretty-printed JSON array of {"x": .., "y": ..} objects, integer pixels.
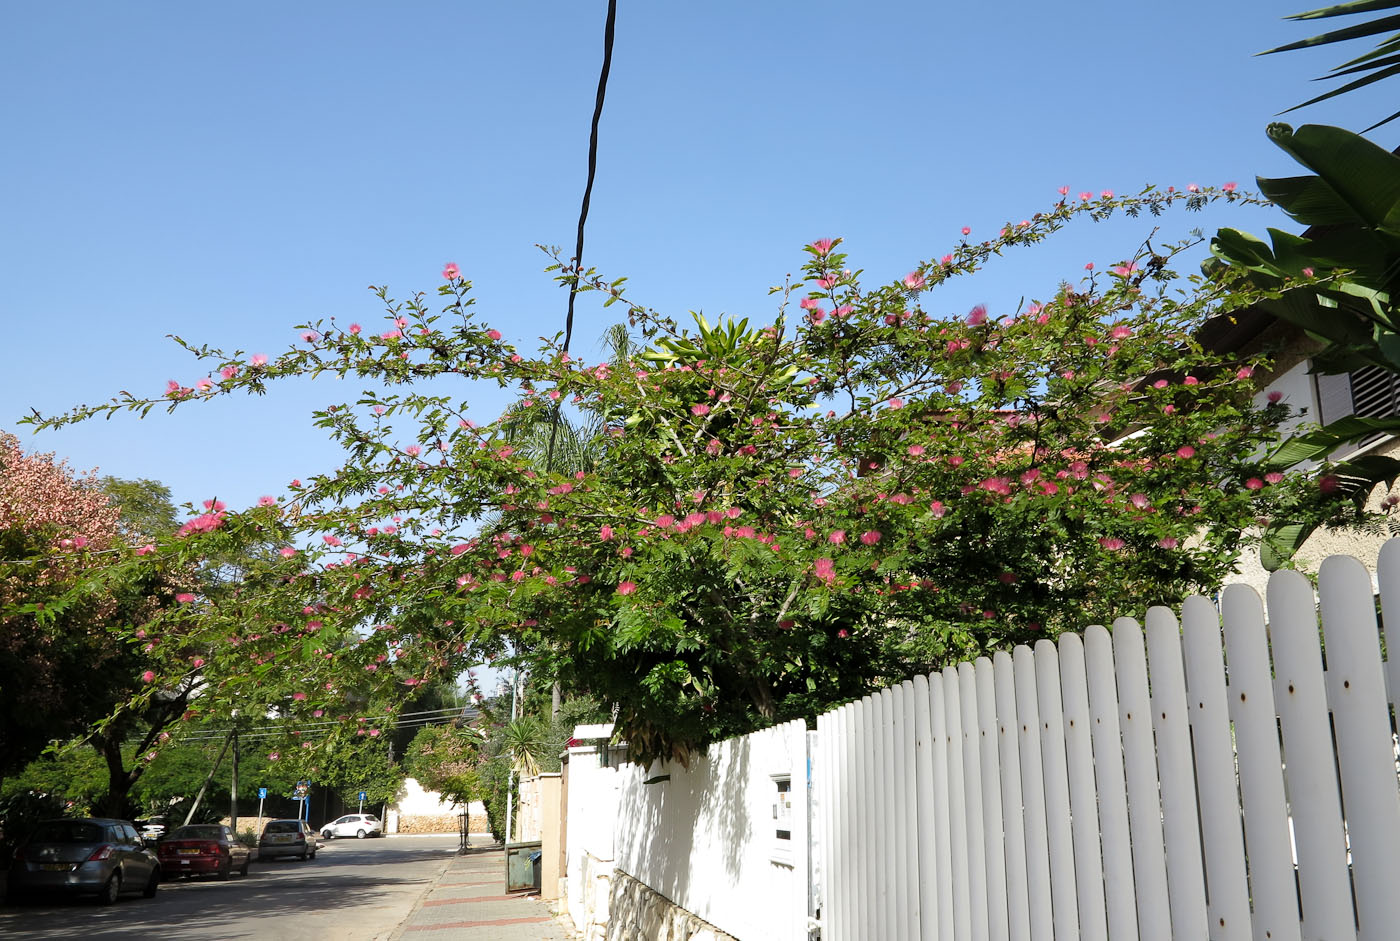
[{"x": 781, "y": 516}]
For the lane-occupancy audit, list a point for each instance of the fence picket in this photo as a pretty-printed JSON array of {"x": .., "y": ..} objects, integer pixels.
[
  {"x": 1228, "y": 904},
  {"x": 1083, "y": 799},
  {"x": 957, "y": 808},
  {"x": 1365, "y": 750},
  {"x": 972, "y": 796},
  {"x": 1033, "y": 793},
  {"x": 1055, "y": 780},
  {"x": 1315, "y": 810},
  {"x": 1140, "y": 777},
  {"x": 1176, "y": 772},
  {"x": 942, "y": 819},
  {"x": 906, "y": 894},
  {"x": 868, "y": 911},
  {"x": 881, "y": 795},
  {"x": 1119, "y": 895},
  {"x": 929, "y": 873},
  {"x": 1012, "y": 806},
  {"x": 1269, "y": 856},
  {"x": 1388, "y": 576},
  {"x": 992, "y": 827}
]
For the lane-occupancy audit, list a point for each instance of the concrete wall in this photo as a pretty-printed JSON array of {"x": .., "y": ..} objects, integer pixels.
[
  {"x": 705, "y": 837},
  {"x": 422, "y": 811}
]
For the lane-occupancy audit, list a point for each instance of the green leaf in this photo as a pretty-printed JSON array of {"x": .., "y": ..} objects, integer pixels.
[
  {"x": 1281, "y": 543},
  {"x": 1364, "y": 175}
]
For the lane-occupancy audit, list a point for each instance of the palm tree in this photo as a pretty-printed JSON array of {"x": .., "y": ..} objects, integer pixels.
[{"x": 1381, "y": 62}]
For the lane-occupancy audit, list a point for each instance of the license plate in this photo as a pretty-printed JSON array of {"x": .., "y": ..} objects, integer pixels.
[
  {"x": 55, "y": 867},
  {"x": 281, "y": 839},
  {"x": 188, "y": 852}
]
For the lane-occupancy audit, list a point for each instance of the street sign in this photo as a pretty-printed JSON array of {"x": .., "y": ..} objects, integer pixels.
[
  {"x": 362, "y": 795},
  {"x": 262, "y": 793}
]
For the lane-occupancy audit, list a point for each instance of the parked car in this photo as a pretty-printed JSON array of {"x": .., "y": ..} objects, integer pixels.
[
  {"x": 90, "y": 854},
  {"x": 287, "y": 838},
  {"x": 151, "y": 830},
  {"x": 356, "y": 825},
  {"x": 203, "y": 849}
]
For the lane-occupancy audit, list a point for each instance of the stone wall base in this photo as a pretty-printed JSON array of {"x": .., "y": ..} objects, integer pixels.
[
  {"x": 440, "y": 823},
  {"x": 639, "y": 913}
]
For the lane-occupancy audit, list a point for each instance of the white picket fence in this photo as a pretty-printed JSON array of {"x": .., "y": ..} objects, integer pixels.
[{"x": 1135, "y": 785}]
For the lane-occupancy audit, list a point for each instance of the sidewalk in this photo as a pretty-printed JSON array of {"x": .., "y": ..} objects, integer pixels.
[{"x": 468, "y": 902}]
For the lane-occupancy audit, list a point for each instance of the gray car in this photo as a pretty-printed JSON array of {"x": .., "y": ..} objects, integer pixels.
[{"x": 98, "y": 855}]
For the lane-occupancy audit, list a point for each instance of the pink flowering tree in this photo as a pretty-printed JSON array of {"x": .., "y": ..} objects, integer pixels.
[
  {"x": 781, "y": 516},
  {"x": 67, "y": 650}
]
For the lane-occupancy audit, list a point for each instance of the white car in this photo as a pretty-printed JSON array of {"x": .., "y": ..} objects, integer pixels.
[{"x": 356, "y": 825}]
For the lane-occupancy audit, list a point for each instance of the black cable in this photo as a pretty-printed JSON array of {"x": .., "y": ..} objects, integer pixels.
[{"x": 608, "y": 31}]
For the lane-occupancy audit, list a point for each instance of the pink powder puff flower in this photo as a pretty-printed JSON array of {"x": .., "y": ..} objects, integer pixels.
[
  {"x": 1244, "y": 372},
  {"x": 916, "y": 450},
  {"x": 204, "y": 385},
  {"x": 1229, "y": 187},
  {"x": 310, "y": 336},
  {"x": 228, "y": 372},
  {"x": 701, "y": 409},
  {"x": 184, "y": 597},
  {"x": 494, "y": 334},
  {"x": 331, "y": 540},
  {"x": 413, "y": 450},
  {"x": 258, "y": 359},
  {"x": 914, "y": 281},
  {"x": 896, "y": 403},
  {"x": 273, "y": 756},
  {"x": 1064, "y": 190},
  {"x": 149, "y": 676},
  {"x": 147, "y": 549},
  {"x": 450, "y": 271},
  {"x": 937, "y": 509},
  {"x": 870, "y": 537},
  {"x": 836, "y": 537},
  {"x": 355, "y": 329},
  {"x": 1107, "y": 194},
  {"x": 1112, "y": 543},
  {"x": 267, "y": 501},
  {"x": 1254, "y": 483},
  {"x": 299, "y": 697},
  {"x": 1275, "y": 397},
  {"x": 823, "y": 246},
  {"x": 1085, "y": 197},
  {"x": 1193, "y": 188},
  {"x": 287, "y": 552},
  {"x": 1186, "y": 452},
  {"x": 626, "y": 588},
  {"x": 1273, "y": 477},
  {"x": 977, "y": 316},
  {"x": 1168, "y": 542}
]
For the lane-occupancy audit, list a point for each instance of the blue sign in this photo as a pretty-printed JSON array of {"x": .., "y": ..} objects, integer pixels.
[
  {"x": 262, "y": 793},
  {"x": 362, "y": 795}
]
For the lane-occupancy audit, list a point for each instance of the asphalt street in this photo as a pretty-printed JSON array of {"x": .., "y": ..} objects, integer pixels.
[{"x": 354, "y": 890}]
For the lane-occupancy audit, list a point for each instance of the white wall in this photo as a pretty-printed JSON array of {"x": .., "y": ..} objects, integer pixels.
[
  {"x": 588, "y": 840},
  {"x": 705, "y": 838}
]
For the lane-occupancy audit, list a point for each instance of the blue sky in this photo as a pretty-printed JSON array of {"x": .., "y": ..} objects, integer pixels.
[{"x": 225, "y": 171}]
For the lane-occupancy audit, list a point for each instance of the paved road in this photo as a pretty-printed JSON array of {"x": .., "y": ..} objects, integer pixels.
[{"x": 354, "y": 890}]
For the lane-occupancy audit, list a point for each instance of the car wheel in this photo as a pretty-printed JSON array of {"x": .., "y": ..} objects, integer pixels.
[
  {"x": 360, "y": 834},
  {"x": 243, "y": 870},
  {"x": 225, "y": 871},
  {"x": 152, "y": 884},
  {"x": 328, "y": 834},
  {"x": 111, "y": 890}
]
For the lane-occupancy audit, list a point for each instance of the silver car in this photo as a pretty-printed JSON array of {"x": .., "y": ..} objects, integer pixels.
[{"x": 97, "y": 855}]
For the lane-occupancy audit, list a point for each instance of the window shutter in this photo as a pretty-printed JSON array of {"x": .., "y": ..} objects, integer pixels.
[{"x": 1333, "y": 398}]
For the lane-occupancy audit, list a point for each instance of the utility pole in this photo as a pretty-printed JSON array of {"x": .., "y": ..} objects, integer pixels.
[{"x": 233, "y": 788}]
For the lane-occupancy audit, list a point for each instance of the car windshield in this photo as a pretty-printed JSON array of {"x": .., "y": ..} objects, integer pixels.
[
  {"x": 283, "y": 826},
  {"x": 67, "y": 831},
  {"x": 371, "y": 818},
  {"x": 198, "y": 833}
]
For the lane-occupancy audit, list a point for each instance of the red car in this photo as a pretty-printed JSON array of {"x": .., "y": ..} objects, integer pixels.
[{"x": 201, "y": 850}]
